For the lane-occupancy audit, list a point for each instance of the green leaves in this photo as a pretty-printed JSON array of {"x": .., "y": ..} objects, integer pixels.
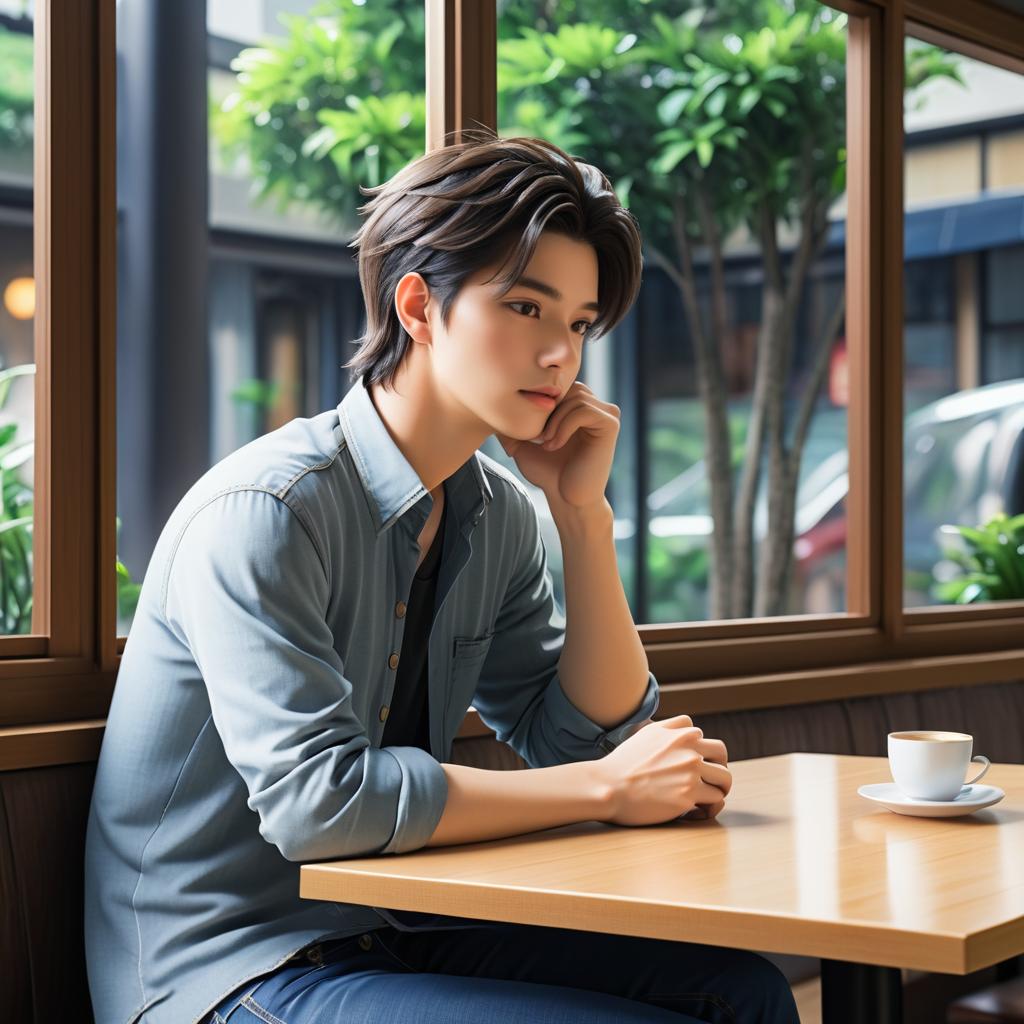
[
  {"x": 8, "y": 376},
  {"x": 993, "y": 564},
  {"x": 16, "y": 90},
  {"x": 707, "y": 79},
  {"x": 670, "y": 107},
  {"x": 748, "y": 99},
  {"x": 16, "y": 64},
  {"x": 622, "y": 189},
  {"x": 740, "y": 101},
  {"x": 924, "y": 62},
  {"x": 580, "y": 49},
  {"x": 127, "y": 589},
  {"x": 383, "y": 43},
  {"x": 527, "y": 61},
  {"x": 584, "y": 46},
  {"x": 669, "y": 159},
  {"x": 334, "y": 104},
  {"x": 15, "y": 518},
  {"x": 365, "y": 142}
]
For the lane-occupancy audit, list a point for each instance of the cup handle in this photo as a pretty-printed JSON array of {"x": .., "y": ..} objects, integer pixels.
[{"x": 988, "y": 764}]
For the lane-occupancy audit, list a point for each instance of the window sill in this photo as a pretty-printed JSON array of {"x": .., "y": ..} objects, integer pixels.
[
  {"x": 35, "y": 746},
  {"x": 813, "y": 686}
]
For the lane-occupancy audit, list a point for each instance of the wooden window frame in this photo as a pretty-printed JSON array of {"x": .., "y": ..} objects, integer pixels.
[
  {"x": 879, "y": 646},
  {"x": 56, "y": 683},
  {"x": 64, "y": 670}
]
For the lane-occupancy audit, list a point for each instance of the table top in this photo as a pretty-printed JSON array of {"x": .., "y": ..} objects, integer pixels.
[{"x": 797, "y": 862}]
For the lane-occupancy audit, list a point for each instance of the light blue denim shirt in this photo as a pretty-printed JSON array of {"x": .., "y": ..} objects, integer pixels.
[{"x": 244, "y": 732}]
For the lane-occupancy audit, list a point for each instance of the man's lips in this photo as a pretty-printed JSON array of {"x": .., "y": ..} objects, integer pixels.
[{"x": 539, "y": 398}]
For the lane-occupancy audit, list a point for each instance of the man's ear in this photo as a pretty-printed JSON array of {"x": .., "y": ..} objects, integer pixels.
[{"x": 412, "y": 297}]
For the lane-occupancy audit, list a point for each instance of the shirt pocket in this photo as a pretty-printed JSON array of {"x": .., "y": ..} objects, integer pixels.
[{"x": 468, "y": 655}]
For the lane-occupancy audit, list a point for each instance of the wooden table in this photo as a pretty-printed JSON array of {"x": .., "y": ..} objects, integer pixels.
[{"x": 796, "y": 863}]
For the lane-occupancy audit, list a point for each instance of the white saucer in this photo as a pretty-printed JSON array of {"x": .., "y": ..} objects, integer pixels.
[{"x": 972, "y": 798}]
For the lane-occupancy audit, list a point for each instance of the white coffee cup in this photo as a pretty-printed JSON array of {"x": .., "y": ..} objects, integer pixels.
[{"x": 930, "y": 765}]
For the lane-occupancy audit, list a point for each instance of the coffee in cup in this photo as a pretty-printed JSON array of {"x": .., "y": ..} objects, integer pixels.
[{"x": 930, "y": 765}]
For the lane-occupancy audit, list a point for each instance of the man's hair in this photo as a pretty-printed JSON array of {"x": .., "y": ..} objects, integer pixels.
[{"x": 466, "y": 206}]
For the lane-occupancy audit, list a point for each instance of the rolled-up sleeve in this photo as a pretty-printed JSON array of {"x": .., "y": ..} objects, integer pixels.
[
  {"x": 247, "y": 591},
  {"x": 519, "y": 694}
]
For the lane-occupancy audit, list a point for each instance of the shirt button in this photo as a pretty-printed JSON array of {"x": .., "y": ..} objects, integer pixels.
[
  {"x": 400, "y": 610},
  {"x": 384, "y": 713},
  {"x": 393, "y": 661},
  {"x": 365, "y": 942}
]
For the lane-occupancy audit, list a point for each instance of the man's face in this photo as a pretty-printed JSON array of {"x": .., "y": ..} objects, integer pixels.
[{"x": 498, "y": 346}]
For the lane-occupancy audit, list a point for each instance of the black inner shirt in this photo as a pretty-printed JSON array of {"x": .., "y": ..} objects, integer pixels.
[{"x": 408, "y": 721}]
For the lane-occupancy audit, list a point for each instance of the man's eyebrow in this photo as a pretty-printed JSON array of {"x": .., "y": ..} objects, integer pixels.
[{"x": 546, "y": 289}]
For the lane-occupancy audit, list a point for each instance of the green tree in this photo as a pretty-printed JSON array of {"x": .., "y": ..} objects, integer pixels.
[
  {"x": 717, "y": 119},
  {"x": 337, "y": 103},
  {"x": 720, "y": 118}
]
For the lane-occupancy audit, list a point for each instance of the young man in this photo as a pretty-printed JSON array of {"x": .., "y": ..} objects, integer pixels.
[{"x": 325, "y": 603}]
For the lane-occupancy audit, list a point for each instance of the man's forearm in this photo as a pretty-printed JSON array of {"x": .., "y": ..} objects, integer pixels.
[
  {"x": 603, "y": 667},
  {"x": 486, "y": 804}
]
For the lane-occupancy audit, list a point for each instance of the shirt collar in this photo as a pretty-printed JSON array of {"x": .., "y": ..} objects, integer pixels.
[{"x": 391, "y": 485}]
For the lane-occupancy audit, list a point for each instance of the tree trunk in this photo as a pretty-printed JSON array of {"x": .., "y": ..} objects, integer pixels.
[
  {"x": 734, "y": 592},
  {"x": 775, "y": 563},
  {"x": 750, "y": 478},
  {"x": 711, "y": 382}
]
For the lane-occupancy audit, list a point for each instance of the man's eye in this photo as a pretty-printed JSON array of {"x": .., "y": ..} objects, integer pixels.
[
  {"x": 586, "y": 323},
  {"x": 513, "y": 304}
]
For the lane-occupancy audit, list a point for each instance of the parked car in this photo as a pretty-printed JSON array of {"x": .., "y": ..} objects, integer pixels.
[{"x": 963, "y": 461}]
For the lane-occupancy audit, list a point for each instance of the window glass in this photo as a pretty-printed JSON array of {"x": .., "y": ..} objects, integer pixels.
[
  {"x": 964, "y": 330},
  {"x": 723, "y": 129},
  {"x": 239, "y": 297},
  {"x": 17, "y": 310}
]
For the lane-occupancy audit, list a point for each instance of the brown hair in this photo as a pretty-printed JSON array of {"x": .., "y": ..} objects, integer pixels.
[{"x": 466, "y": 206}]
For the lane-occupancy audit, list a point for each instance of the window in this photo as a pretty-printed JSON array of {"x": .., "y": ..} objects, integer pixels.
[
  {"x": 724, "y": 131},
  {"x": 191, "y": 288},
  {"x": 17, "y": 317},
  {"x": 964, "y": 343},
  {"x": 260, "y": 166}
]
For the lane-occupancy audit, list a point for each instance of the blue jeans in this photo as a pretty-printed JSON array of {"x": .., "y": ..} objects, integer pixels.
[{"x": 512, "y": 974}]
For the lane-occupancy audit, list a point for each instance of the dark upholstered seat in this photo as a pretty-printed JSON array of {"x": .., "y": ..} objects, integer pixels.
[{"x": 1002, "y": 1003}]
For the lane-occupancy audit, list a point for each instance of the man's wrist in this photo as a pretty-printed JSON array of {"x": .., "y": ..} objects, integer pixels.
[
  {"x": 599, "y": 789},
  {"x": 590, "y": 521}
]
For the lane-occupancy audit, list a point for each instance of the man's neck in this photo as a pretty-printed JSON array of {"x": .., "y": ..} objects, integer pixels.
[{"x": 429, "y": 433}]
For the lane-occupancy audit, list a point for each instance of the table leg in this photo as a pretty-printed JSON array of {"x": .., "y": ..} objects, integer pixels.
[
  {"x": 860, "y": 993},
  {"x": 1008, "y": 969}
]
